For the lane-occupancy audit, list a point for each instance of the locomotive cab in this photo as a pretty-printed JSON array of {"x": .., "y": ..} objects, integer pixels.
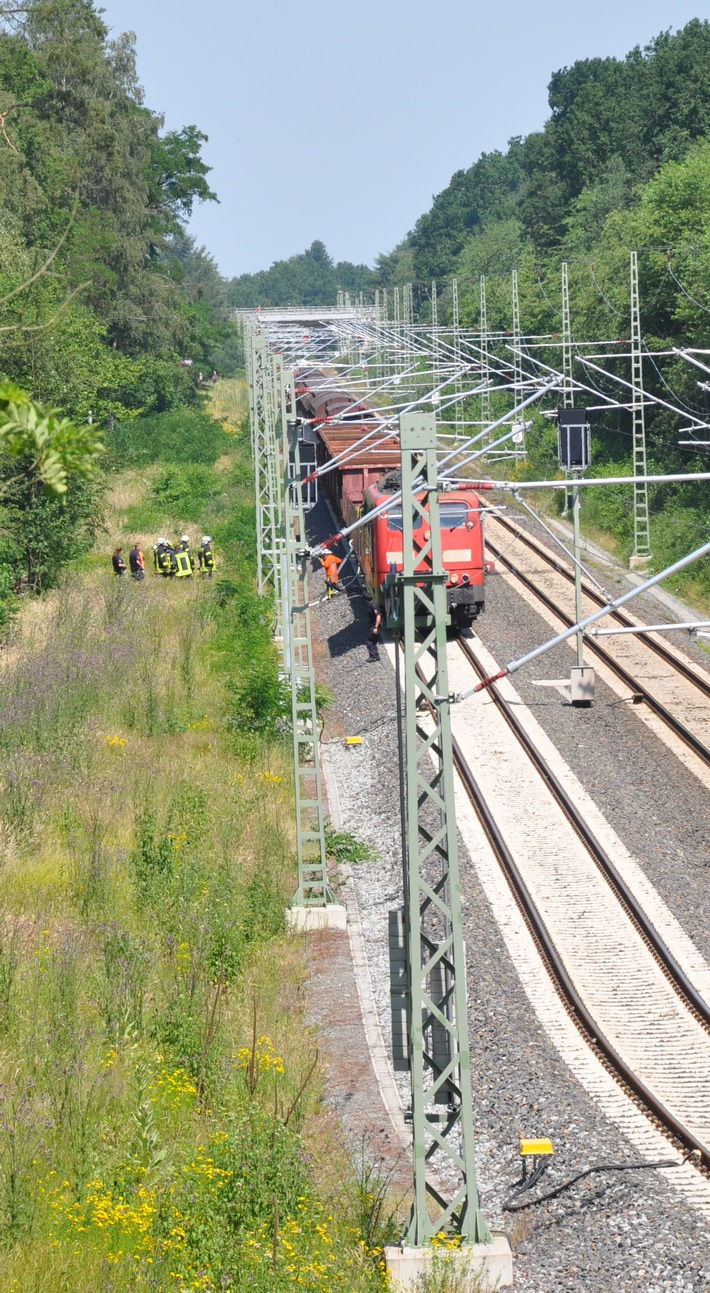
[{"x": 380, "y": 549}]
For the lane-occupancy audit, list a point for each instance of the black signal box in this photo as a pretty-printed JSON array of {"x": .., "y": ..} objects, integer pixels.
[{"x": 573, "y": 439}]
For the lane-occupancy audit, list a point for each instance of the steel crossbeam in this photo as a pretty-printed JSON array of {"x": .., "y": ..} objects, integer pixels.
[{"x": 442, "y": 1109}]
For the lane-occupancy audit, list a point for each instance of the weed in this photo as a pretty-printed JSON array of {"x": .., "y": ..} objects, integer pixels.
[
  {"x": 450, "y": 1272},
  {"x": 90, "y": 860},
  {"x": 182, "y": 489},
  {"x": 9, "y": 963},
  {"x": 153, "y": 855},
  {"x": 21, "y": 1137},
  {"x": 149, "y": 1155},
  {"x": 21, "y": 795},
  {"x": 344, "y": 847},
  {"x": 120, "y": 984},
  {"x": 374, "y": 1211},
  {"x": 150, "y": 1132}
]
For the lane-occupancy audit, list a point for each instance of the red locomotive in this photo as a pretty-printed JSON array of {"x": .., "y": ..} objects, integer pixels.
[
  {"x": 379, "y": 546},
  {"x": 367, "y": 473}
]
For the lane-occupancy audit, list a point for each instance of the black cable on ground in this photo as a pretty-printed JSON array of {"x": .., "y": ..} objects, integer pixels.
[
  {"x": 601, "y": 1167},
  {"x": 531, "y": 1181}
]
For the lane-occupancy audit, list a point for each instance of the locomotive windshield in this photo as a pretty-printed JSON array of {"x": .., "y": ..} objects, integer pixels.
[
  {"x": 452, "y": 515},
  {"x": 394, "y": 519}
]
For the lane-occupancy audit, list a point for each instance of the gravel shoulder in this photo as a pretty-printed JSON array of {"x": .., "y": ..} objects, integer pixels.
[{"x": 612, "y": 1232}]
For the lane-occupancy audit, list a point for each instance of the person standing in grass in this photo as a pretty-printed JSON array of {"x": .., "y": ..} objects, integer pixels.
[
  {"x": 117, "y": 562},
  {"x": 205, "y": 556},
  {"x": 184, "y": 547},
  {"x": 137, "y": 562},
  {"x": 183, "y": 558},
  {"x": 163, "y": 557}
]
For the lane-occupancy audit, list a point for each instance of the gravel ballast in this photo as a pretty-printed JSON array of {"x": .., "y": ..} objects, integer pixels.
[{"x": 611, "y": 1232}]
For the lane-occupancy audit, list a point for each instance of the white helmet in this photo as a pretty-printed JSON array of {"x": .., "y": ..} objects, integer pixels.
[
  {"x": 184, "y": 538},
  {"x": 206, "y": 538},
  {"x": 160, "y": 541}
]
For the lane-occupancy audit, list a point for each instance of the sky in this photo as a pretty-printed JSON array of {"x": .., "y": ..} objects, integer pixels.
[{"x": 341, "y": 121}]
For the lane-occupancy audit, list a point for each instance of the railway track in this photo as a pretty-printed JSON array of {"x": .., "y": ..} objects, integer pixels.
[
  {"x": 620, "y": 617},
  {"x": 630, "y": 996},
  {"x": 679, "y": 687}
]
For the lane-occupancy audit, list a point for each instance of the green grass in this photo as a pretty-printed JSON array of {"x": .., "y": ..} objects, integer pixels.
[{"x": 159, "y": 1090}]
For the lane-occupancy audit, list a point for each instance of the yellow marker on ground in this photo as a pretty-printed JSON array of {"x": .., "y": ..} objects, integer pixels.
[
  {"x": 353, "y": 740},
  {"x": 535, "y": 1148}
]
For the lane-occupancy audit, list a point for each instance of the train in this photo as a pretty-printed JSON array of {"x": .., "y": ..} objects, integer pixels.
[{"x": 333, "y": 424}]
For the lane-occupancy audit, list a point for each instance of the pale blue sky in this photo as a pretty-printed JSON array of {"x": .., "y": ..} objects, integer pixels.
[{"x": 340, "y": 122}]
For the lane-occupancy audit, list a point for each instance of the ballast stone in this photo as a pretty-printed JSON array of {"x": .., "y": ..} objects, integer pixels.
[
  {"x": 310, "y": 919},
  {"x": 407, "y": 1265}
]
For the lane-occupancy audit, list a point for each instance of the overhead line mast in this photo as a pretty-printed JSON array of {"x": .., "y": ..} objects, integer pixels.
[
  {"x": 642, "y": 531},
  {"x": 313, "y": 890},
  {"x": 485, "y": 360},
  {"x": 458, "y": 384},
  {"x": 283, "y": 575},
  {"x": 437, "y": 1026}
]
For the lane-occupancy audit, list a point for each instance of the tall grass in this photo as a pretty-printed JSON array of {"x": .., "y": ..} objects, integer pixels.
[
  {"x": 230, "y": 401},
  {"x": 156, "y": 1081}
]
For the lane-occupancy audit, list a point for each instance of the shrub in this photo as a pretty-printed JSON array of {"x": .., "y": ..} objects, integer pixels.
[
  {"x": 181, "y": 435},
  {"x": 183, "y": 488}
]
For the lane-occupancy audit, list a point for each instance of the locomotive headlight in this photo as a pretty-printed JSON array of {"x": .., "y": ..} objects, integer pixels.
[
  {"x": 465, "y": 579},
  {"x": 427, "y": 535},
  {"x": 453, "y": 579}
]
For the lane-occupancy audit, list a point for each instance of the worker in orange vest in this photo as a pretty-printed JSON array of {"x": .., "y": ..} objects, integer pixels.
[{"x": 330, "y": 565}]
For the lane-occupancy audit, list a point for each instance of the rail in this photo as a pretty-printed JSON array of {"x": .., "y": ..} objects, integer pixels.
[
  {"x": 658, "y": 647},
  {"x": 546, "y": 946},
  {"x": 679, "y": 729}
]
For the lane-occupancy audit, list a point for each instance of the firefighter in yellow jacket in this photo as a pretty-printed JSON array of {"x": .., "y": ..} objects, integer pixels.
[
  {"x": 184, "y": 559},
  {"x": 205, "y": 556}
]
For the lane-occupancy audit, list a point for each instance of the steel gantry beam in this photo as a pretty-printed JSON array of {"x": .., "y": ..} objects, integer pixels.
[{"x": 437, "y": 1028}]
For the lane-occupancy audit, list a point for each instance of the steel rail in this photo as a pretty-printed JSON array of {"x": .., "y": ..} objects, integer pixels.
[
  {"x": 674, "y": 973},
  {"x": 660, "y": 648},
  {"x": 575, "y": 1005},
  {"x": 682, "y": 732}
]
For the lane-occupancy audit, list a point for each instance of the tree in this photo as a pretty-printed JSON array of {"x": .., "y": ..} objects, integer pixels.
[
  {"x": 487, "y": 191},
  {"x": 309, "y": 278},
  {"x": 53, "y": 447}
]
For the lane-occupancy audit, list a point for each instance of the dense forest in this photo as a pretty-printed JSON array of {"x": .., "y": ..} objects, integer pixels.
[
  {"x": 102, "y": 291},
  {"x": 310, "y": 278},
  {"x": 622, "y": 162}
]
